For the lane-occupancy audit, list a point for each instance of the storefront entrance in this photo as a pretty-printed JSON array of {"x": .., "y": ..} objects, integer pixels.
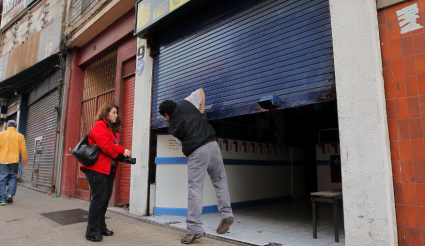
[{"x": 99, "y": 87}]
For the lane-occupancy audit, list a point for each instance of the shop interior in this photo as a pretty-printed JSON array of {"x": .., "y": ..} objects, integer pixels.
[{"x": 311, "y": 132}]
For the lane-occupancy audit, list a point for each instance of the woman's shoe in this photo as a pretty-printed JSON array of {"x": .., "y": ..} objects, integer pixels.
[
  {"x": 108, "y": 233},
  {"x": 95, "y": 238}
]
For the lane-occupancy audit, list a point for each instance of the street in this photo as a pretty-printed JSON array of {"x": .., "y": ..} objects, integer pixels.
[{"x": 25, "y": 222}]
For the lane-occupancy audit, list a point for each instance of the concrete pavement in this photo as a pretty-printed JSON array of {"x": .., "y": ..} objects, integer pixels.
[{"x": 21, "y": 223}]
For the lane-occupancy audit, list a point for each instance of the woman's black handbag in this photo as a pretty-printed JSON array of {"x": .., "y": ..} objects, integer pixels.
[{"x": 84, "y": 153}]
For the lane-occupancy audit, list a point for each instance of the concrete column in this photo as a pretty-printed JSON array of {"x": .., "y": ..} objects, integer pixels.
[
  {"x": 141, "y": 130},
  {"x": 367, "y": 182}
]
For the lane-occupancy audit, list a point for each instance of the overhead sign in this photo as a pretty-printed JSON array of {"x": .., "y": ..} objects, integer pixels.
[
  {"x": 49, "y": 40},
  {"x": 3, "y": 66},
  {"x": 11, "y": 9},
  {"x": 150, "y": 11},
  {"x": 23, "y": 56}
]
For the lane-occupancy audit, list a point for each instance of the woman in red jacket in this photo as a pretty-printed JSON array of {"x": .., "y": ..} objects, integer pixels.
[{"x": 101, "y": 175}]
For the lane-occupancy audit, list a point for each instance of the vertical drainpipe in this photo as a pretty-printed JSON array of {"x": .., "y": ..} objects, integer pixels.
[
  {"x": 59, "y": 132},
  {"x": 62, "y": 111}
]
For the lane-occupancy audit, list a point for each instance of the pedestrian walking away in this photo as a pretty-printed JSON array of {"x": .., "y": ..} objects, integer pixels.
[
  {"x": 12, "y": 143},
  {"x": 189, "y": 126},
  {"x": 102, "y": 173}
]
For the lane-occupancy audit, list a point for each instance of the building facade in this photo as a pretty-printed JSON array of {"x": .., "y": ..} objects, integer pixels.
[
  {"x": 102, "y": 68},
  {"x": 234, "y": 51},
  {"x": 31, "y": 72},
  {"x": 297, "y": 74}
]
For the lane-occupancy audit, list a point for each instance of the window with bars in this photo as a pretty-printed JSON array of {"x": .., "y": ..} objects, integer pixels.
[{"x": 79, "y": 8}]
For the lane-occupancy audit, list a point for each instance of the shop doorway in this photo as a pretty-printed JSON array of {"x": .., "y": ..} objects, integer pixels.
[
  {"x": 99, "y": 87},
  {"x": 270, "y": 189}
]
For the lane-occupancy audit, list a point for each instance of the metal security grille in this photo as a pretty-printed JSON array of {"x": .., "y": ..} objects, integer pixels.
[
  {"x": 129, "y": 67},
  {"x": 41, "y": 126},
  {"x": 99, "y": 87},
  {"x": 127, "y": 137},
  {"x": 79, "y": 8},
  {"x": 241, "y": 50}
]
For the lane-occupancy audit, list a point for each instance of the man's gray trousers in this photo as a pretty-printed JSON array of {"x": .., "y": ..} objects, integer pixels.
[{"x": 206, "y": 158}]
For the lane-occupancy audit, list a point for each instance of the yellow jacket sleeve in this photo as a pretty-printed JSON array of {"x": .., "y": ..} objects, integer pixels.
[{"x": 24, "y": 153}]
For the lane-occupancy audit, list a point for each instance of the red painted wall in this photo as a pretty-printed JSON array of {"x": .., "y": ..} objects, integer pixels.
[
  {"x": 403, "y": 58},
  {"x": 71, "y": 126},
  {"x": 108, "y": 39},
  {"x": 117, "y": 36}
]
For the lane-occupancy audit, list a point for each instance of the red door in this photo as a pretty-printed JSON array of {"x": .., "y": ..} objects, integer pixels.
[{"x": 127, "y": 132}]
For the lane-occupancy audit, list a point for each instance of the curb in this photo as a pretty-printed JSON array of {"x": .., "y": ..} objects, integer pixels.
[{"x": 127, "y": 214}]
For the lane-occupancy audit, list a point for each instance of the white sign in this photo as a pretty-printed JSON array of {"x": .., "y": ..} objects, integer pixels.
[{"x": 407, "y": 18}]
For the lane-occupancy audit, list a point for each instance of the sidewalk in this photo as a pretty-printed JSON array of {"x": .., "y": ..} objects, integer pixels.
[{"x": 22, "y": 223}]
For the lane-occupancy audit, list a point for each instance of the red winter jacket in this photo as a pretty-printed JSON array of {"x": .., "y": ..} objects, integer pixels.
[{"x": 101, "y": 134}]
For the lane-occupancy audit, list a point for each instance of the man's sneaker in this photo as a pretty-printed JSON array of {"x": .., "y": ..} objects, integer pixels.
[
  {"x": 189, "y": 238},
  {"x": 224, "y": 225},
  {"x": 2, "y": 203},
  {"x": 9, "y": 199}
]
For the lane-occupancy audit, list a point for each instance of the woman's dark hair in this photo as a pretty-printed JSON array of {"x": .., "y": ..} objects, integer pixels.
[
  {"x": 168, "y": 107},
  {"x": 103, "y": 114}
]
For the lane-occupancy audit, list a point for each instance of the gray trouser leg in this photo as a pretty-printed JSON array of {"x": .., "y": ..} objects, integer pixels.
[
  {"x": 219, "y": 180},
  {"x": 196, "y": 168},
  {"x": 206, "y": 158}
]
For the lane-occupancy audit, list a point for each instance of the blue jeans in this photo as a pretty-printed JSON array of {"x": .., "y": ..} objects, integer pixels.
[{"x": 8, "y": 174}]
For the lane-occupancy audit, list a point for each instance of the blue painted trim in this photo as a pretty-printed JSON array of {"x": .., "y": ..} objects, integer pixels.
[
  {"x": 183, "y": 160},
  {"x": 170, "y": 211},
  {"x": 213, "y": 208},
  {"x": 322, "y": 163},
  {"x": 171, "y": 160}
]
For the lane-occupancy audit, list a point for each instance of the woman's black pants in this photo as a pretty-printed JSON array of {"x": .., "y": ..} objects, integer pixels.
[{"x": 101, "y": 186}]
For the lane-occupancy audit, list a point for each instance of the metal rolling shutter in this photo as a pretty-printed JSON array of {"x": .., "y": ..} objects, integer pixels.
[
  {"x": 241, "y": 50},
  {"x": 42, "y": 122},
  {"x": 127, "y": 129},
  {"x": 126, "y": 140}
]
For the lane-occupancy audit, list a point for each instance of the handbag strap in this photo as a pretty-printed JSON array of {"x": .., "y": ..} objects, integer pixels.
[{"x": 116, "y": 140}]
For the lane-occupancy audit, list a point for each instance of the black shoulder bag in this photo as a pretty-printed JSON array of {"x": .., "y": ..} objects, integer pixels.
[{"x": 84, "y": 153}]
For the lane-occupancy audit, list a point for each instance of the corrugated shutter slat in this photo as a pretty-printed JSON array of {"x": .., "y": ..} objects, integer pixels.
[
  {"x": 129, "y": 68},
  {"x": 42, "y": 122},
  {"x": 126, "y": 139},
  {"x": 241, "y": 50}
]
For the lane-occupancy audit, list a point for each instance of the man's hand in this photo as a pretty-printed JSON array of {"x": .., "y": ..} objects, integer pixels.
[
  {"x": 127, "y": 153},
  {"x": 202, "y": 106},
  {"x": 23, "y": 163}
]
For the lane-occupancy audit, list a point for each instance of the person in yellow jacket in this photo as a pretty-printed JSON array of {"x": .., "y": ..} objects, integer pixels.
[{"x": 11, "y": 144}]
